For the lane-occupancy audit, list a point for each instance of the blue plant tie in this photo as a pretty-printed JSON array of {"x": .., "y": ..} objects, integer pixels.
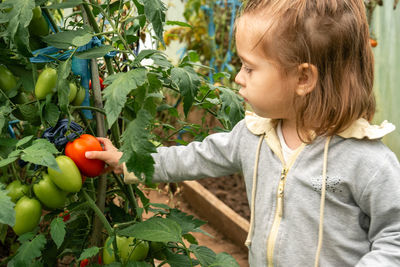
[
  {"x": 10, "y": 128},
  {"x": 56, "y": 134}
]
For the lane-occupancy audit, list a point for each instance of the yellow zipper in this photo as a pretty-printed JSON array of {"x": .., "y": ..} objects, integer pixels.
[{"x": 277, "y": 219}]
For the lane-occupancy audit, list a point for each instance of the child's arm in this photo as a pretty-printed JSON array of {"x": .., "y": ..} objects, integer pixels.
[
  {"x": 380, "y": 200},
  {"x": 216, "y": 155}
]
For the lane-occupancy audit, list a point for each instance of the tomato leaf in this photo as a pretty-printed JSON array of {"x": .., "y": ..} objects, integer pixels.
[
  {"x": 29, "y": 250},
  {"x": 179, "y": 260},
  {"x": 95, "y": 52},
  {"x": 187, "y": 222},
  {"x": 24, "y": 140},
  {"x": 155, "y": 229},
  {"x": 205, "y": 255},
  {"x": 64, "y": 40},
  {"x": 7, "y": 212},
  {"x": 20, "y": 14},
  {"x": 155, "y": 13},
  {"x": 187, "y": 81},
  {"x": 178, "y": 23},
  {"x": 41, "y": 152},
  {"x": 136, "y": 146},
  {"x": 121, "y": 84},
  {"x": 224, "y": 260},
  {"x": 57, "y": 231},
  {"x": 51, "y": 113},
  {"x": 231, "y": 110},
  {"x": 5, "y": 111},
  {"x": 68, "y": 4},
  {"x": 89, "y": 253},
  {"x": 63, "y": 71},
  {"x": 7, "y": 161}
]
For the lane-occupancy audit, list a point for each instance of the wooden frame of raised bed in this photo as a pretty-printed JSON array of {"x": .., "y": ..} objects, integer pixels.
[{"x": 216, "y": 212}]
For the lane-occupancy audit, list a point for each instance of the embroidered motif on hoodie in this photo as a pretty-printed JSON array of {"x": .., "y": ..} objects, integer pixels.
[{"x": 333, "y": 184}]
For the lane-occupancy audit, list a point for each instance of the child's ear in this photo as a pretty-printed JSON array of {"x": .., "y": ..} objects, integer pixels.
[{"x": 307, "y": 78}]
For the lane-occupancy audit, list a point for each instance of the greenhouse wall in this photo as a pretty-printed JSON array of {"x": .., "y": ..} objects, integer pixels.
[{"x": 386, "y": 27}]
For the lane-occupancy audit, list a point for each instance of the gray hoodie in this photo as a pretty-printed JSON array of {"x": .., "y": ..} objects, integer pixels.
[{"x": 360, "y": 214}]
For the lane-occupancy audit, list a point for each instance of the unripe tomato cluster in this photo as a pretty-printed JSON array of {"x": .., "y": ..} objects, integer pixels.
[
  {"x": 129, "y": 249},
  {"x": 52, "y": 190}
]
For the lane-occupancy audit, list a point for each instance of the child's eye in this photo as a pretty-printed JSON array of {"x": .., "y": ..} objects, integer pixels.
[{"x": 246, "y": 69}]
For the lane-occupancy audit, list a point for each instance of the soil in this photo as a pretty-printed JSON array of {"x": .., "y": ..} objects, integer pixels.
[{"x": 231, "y": 190}]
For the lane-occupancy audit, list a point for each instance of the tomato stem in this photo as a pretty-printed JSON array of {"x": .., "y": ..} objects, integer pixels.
[{"x": 99, "y": 213}]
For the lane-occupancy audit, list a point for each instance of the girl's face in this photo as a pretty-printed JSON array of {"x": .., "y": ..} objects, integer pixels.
[{"x": 262, "y": 83}]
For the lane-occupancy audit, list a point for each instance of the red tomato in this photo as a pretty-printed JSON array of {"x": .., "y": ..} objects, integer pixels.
[
  {"x": 102, "y": 86},
  {"x": 65, "y": 215},
  {"x": 76, "y": 151},
  {"x": 84, "y": 263}
]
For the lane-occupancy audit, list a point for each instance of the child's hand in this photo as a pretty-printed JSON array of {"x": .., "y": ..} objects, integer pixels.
[{"x": 110, "y": 156}]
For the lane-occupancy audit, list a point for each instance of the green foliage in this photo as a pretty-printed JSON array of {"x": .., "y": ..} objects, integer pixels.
[
  {"x": 57, "y": 231},
  {"x": 155, "y": 229},
  {"x": 7, "y": 213},
  {"x": 29, "y": 250}
]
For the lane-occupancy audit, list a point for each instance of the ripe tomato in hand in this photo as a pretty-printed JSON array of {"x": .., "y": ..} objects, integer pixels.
[{"x": 76, "y": 151}]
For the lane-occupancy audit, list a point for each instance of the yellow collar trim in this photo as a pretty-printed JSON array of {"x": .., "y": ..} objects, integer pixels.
[{"x": 360, "y": 129}]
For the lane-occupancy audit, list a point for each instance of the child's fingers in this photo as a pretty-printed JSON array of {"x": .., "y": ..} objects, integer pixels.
[{"x": 101, "y": 155}]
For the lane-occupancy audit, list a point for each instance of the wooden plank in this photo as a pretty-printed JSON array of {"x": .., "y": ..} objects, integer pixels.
[{"x": 216, "y": 212}]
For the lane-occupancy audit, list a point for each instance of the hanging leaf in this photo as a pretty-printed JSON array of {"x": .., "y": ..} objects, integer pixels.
[
  {"x": 205, "y": 255},
  {"x": 137, "y": 148},
  {"x": 231, "y": 110},
  {"x": 155, "y": 13},
  {"x": 29, "y": 250},
  {"x": 20, "y": 15},
  {"x": 121, "y": 84},
  {"x": 67, "y": 4},
  {"x": 188, "y": 82},
  {"x": 89, "y": 253},
  {"x": 57, "y": 231}
]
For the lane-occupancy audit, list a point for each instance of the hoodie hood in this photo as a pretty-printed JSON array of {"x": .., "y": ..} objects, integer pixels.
[{"x": 360, "y": 129}]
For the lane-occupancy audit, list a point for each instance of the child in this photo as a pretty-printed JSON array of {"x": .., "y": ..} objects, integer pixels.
[{"x": 323, "y": 189}]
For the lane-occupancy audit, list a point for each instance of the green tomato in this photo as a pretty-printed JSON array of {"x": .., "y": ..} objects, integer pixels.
[
  {"x": 36, "y": 12},
  {"x": 7, "y": 79},
  {"x": 16, "y": 190},
  {"x": 134, "y": 250},
  {"x": 27, "y": 215},
  {"x": 73, "y": 89},
  {"x": 129, "y": 250},
  {"x": 38, "y": 25},
  {"x": 20, "y": 98},
  {"x": 49, "y": 194},
  {"x": 45, "y": 83},
  {"x": 69, "y": 179},
  {"x": 80, "y": 96}
]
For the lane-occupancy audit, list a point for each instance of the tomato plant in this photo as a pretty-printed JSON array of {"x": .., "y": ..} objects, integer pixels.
[
  {"x": 141, "y": 107},
  {"x": 76, "y": 151}
]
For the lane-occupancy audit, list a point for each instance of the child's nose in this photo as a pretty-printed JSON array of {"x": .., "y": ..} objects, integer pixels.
[{"x": 239, "y": 78}]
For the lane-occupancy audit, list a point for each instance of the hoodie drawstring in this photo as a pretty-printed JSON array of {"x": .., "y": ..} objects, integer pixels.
[
  {"x": 322, "y": 203},
  {"x": 253, "y": 192}
]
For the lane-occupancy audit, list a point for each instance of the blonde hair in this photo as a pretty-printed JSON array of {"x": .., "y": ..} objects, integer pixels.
[{"x": 333, "y": 35}]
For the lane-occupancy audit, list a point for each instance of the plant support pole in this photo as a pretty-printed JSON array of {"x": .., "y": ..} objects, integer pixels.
[{"x": 95, "y": 239}]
